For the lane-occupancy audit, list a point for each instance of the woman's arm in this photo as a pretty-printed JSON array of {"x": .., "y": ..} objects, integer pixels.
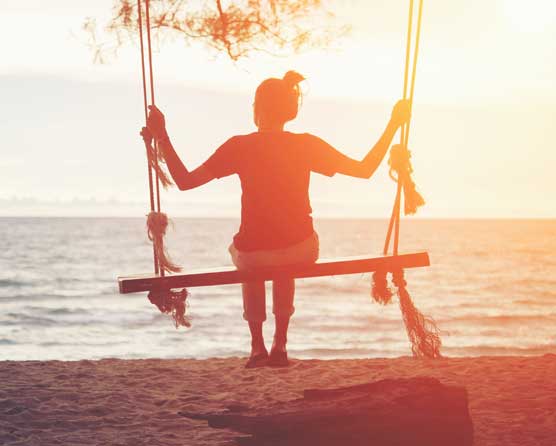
[
  {"x": 183, "y": 178},
  {"x": 368, "y": 165}
]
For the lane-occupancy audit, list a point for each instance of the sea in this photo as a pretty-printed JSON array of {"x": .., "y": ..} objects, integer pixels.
[{"x": 491, "y": 288}]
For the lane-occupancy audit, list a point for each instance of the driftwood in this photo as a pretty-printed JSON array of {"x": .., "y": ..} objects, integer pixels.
[{"x": 416, "y": 412}]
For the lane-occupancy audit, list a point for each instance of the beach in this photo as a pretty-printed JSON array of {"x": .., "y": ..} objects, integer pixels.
[
  {"x": 124, "y": 402},
  {"x": 77, "y": 360}
]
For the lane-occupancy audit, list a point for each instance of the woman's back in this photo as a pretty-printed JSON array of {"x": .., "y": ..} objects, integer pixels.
[{"x": 274, "y": 169}]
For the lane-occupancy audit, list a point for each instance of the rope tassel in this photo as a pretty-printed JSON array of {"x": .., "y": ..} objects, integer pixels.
[
  {"x": 421, "y": 330},
  {"x": 400, "y": 162},
  {"x": 157, "y": 223},
  {"x": 172, "y": 302},
  {"x": 379, "y": 289}
]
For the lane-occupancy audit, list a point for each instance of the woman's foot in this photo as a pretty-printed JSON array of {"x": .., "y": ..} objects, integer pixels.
[
  {"x": 278, "y": 358},
  {"x": 278, "y": 354},
  {"x": 259, "y": 355},
  {"x": 258, "y": 358}
]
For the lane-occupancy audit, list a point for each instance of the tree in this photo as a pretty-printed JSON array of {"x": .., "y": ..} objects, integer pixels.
[{"x": 237, "y": 28}]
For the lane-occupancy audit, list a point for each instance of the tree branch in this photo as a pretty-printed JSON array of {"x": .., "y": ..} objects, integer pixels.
[{"x": 241, "y": 28}]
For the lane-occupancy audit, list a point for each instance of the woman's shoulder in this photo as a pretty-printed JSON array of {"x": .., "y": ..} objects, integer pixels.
[
  {"x": 310, "y": 140},
  {"x": 301, "y": 135},
  {"x": 284, "y": 133},
  {"x": 235, "y": 142},
  {"x": 284, "y": 138},
  {"x": 245, "y": 135}
]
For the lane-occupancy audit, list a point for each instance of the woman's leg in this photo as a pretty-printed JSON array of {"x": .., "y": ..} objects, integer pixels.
[
  {"x": 254, "y": 312},
  {"x": 283, "y": 291}
]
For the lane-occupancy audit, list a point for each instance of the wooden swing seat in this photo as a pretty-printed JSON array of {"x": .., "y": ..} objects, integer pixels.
[{"x": 230, "y": 275}]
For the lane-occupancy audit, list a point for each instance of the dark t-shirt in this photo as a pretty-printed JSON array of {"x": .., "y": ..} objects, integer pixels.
[{"x": 274, "y": 169}]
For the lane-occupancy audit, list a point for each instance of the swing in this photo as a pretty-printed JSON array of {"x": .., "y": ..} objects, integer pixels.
[
  {"x": 421, "y": 330},
  {"x": 231, "y": 275}
]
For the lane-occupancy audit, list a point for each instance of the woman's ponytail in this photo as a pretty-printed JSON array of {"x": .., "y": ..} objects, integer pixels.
[{"x": 292, "y": 78}]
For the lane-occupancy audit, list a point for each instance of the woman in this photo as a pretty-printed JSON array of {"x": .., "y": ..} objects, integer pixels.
[{"x": 274, "y": 168}]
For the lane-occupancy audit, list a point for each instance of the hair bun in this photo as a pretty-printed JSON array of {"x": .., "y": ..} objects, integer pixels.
[{"x": 292, "y": 78}]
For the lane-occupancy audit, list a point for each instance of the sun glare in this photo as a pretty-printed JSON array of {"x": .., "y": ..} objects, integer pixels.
[{"x": 531, "y": 16}]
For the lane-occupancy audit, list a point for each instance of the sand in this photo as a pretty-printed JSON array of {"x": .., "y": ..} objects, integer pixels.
[{"x": 512, "y": 400}]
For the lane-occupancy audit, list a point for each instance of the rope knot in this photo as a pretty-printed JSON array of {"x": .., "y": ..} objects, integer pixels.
[
  {"x": 157, "y": 223},
  {"x": 398, "y": 279},
  {"x": 399, "y": 160}
]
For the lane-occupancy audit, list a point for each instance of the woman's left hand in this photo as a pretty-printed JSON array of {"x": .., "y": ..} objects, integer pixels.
[{"x": 156, "y": 123}]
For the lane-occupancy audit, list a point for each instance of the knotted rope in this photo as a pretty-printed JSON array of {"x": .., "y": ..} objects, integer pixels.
[
  {"x": 157, "y": 223},
  {"x": 400, "y": 163},
  {"x": 168, "y": 301},
  {"x": 421, "y": 330},
  {"x": 172, "y": 302}
]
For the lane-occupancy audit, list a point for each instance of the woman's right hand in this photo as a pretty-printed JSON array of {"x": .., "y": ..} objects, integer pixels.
[
  {"x": 147, "y": 136},
  {"x": 156, "y": 123},
  {"x": 401, "y": 113}
]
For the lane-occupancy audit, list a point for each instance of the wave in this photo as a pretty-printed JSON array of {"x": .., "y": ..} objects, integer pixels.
[
  {"x": 65, "y": 311},
  {"x": 80, "y": 344},
  {"x": 14, "y": 283},
  {"x": 39, "y": 296},
  {"x": 30, "y": 321},
  {"x": 499, "y": 350},
  {"x": 332, "y": 353},
  {"x": 25, "y": 319},
  {"x": 543, "y": 302},
  {"x": 501, "y": 319}
]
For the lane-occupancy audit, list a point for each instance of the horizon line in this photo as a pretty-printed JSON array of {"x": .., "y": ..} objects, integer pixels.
[{"x": 321, "y": 217}]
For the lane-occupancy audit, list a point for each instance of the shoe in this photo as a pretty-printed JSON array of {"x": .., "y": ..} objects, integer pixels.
[
  {"x": 278, "y": 359},
  {"x": 259, "y": 360}
]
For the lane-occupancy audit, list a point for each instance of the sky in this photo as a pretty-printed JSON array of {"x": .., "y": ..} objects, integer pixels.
[{"x": 484, "y": 110}]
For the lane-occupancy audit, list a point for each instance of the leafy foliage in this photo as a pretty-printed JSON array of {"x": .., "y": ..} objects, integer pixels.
[{"x": 237, "y": 28}]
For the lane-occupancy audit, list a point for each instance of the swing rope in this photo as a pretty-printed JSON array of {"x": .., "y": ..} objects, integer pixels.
[
  {"x": 171, "y": 302},
  {"x": 145, "y": 109},
  {"x": 421, "y": 330}
]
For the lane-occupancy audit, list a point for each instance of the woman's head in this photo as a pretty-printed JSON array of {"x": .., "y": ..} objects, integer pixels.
[{"x": 277, "y": 100}]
